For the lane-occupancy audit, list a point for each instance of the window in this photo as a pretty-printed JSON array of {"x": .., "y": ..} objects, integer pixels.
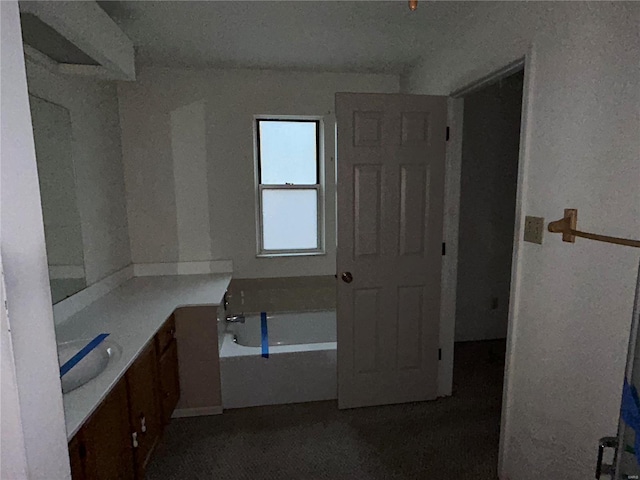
[{"x": 289, "y": 186}]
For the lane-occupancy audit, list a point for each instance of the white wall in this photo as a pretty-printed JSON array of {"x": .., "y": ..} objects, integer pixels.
[
  {"x": 13, "y": 461},
  {"x": 97, "y": 159},
  {"x": 490, "y": 149},
  {"x": 177, "y": 122},
  {"x": 571, "y": 303},
  {"x": 28, "y": 301}
]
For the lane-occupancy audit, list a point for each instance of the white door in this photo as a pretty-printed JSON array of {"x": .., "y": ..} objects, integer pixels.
[{"x": 391, "y": 152}]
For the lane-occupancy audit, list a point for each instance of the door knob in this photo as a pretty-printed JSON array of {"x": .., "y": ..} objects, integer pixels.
[{"x": 347, "y": 277}]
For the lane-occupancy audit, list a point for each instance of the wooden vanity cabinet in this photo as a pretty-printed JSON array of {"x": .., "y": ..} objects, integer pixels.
[
  {"x": 166, "y": 335},
  {"x": 104, "y": 442},
  {"x": 168, "y": 374},
  {"x": 118, "y": 440},
  {"x": 145, "y": 416},
  {"x": 76, "y": 458}
]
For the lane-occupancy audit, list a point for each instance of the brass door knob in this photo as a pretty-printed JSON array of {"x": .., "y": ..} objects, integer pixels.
[{"x": 347, "y": 277}]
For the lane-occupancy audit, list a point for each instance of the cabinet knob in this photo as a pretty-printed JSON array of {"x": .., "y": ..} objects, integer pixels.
[
  {"x": 134, "y": 439},
  {"x": 143, "y": 424}
]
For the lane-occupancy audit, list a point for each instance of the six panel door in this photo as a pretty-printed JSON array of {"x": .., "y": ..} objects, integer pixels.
[{"x": 390, "y": 165}]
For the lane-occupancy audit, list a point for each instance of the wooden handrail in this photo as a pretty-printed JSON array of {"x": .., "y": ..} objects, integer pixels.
[{"x": 567, "y": 226}]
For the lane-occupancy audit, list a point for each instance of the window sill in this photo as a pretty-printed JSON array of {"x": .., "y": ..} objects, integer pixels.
[{"x": 290, "y": 254}]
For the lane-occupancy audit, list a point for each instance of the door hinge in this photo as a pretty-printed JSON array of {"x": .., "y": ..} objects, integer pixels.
[
  {"x": 439, "y": 354},
  {"x": 444, "y": 248},
  {"x": 447, "y": 136}
]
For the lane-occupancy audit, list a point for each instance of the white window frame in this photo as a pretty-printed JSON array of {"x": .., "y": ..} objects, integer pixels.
[{"x": 319, "y": 187}]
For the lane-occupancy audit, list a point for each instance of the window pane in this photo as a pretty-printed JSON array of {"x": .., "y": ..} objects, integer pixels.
[
  {"x": 288, "y": 152},
  {"x": 289, "y": 219}
]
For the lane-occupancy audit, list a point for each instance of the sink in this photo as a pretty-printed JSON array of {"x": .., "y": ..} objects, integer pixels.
[{"x": 92, "y": 365}]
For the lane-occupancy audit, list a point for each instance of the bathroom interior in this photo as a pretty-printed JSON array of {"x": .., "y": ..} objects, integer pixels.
[
  {"x": 193, "y": 205},
  {"x": 164, "y": 248}
]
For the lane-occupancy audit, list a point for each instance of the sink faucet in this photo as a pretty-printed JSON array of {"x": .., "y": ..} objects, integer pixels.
[{"x": 235, "y": 318}]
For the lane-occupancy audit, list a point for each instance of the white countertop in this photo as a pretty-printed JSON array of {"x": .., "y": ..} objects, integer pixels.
[{"x": 131, "y": 314}]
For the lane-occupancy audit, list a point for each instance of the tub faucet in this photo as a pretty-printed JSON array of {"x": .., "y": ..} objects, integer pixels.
[{"x": 235, "y": 318}]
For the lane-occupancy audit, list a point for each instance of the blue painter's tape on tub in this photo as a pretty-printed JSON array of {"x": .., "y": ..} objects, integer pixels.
[
  {"x": 265, "y": 334},
  {"x": 84, "y": 351}
]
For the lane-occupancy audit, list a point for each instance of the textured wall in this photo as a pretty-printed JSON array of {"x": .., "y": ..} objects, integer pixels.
[
  {"x": 572, "y": 303},
  {"x": 214, "y": 110},
  {"x": 29, "y": 320},
  {"x": 285, "y": 294}
]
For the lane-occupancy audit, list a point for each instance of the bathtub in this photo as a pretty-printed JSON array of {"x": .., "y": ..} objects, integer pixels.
[{"x": 301, "y": 366}]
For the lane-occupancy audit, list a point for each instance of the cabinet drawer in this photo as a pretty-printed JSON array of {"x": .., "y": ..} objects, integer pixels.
[{"x": 166, "y": 334}]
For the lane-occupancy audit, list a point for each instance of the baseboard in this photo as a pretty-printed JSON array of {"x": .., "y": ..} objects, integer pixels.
[
  {"x": 68, "y": 307},
  {"x": 196, "y": 412},
  {"x": 182, "y": 268}
]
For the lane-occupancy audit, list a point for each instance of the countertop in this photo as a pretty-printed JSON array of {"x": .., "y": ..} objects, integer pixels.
[{"x": 131, "y": 314}]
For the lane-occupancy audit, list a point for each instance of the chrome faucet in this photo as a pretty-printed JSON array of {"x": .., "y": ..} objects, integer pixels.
[{"x": 235, "y": 318}]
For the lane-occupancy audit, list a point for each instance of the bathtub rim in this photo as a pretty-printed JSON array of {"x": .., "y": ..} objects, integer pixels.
[
  {"x": 283, "y": 312},
  {"x": 277, "y": 348},
  {"x": 231, "y": 349}
]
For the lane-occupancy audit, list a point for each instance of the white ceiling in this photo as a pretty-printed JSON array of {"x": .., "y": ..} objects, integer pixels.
[{"x": 353, "y": 36}]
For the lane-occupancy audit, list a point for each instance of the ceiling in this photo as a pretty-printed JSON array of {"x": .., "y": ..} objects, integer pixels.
[{"x": 353, "y": 36}]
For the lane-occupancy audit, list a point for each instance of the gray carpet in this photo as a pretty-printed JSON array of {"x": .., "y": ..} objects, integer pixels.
[{"x": 447, "y": 439}]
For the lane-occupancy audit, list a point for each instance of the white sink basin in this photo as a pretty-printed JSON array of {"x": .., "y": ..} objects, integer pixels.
[{"x": 90, "y": 366}]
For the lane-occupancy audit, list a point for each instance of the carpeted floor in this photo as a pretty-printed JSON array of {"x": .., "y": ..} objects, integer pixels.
[{"x": 452, "y": 438}]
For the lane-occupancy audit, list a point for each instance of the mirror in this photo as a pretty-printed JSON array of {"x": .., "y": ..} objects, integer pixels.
[{"x": 62, "y": 227}]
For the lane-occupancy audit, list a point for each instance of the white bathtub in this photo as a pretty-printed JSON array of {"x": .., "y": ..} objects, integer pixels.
[{"x": 301, "y": 366}]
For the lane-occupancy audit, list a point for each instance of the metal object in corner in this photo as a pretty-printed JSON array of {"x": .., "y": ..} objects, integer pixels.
[
  {"x": 235, "y": 318},
  {"x": 605, "y": 442}
]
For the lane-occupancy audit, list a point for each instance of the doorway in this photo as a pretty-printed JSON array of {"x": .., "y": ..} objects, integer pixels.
[{"x": 488, "y": 189}]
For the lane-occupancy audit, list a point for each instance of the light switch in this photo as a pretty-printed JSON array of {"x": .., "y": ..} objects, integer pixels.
[{"x": 533, "y": 229}]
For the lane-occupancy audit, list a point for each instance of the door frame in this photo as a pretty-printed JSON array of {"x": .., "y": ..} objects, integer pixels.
[{"x": 451, "y": 232}]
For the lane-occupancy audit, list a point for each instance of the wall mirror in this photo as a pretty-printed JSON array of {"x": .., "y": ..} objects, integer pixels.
[{"x": 62, "y": 227}]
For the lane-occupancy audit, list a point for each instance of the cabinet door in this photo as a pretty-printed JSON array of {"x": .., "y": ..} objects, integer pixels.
[
  {"x": 144, "y": 411},
  {"x": 107, "y": 439},
  {"x": 169, "y": 380},
  {"x": 166, "y": 334},
  {"x": 76, "y": 458}
]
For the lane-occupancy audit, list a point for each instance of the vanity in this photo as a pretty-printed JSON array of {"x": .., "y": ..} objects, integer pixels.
[
  {"x": 118, "y": 439},
  {"x": 115, "y": 421}
]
